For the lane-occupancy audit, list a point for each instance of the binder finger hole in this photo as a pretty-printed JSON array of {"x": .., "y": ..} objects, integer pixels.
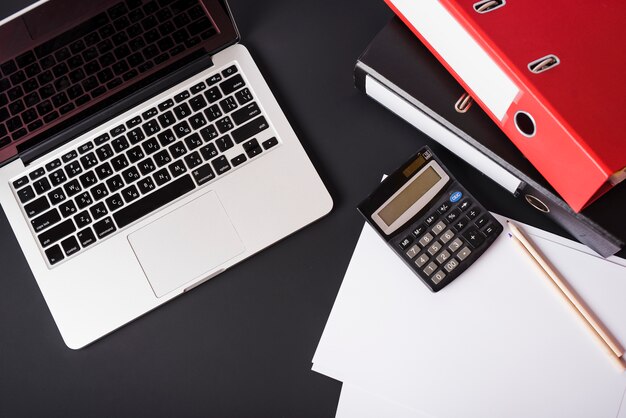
[
  {"x": 525, "y": 124},
  {"x": 536, "y": 203}
]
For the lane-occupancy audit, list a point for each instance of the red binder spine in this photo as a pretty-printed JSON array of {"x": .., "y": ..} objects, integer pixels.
[{"x": 529, "y": 120}]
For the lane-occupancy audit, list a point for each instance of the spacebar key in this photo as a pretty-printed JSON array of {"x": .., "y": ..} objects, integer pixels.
[{"x": 153, "y": 201}]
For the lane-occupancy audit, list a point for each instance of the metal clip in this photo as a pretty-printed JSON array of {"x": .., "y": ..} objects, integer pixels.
[
  {"x": 486, "y": 6},
  {"x": 544, "y": 64},
  {"x": 464, "y": 103}
]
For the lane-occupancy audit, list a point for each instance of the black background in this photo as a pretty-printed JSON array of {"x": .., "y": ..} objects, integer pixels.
[{"x": 240, "y": 345}]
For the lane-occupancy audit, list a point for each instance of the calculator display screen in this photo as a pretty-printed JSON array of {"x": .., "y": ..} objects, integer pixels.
[{"x": 419, "y": 186}]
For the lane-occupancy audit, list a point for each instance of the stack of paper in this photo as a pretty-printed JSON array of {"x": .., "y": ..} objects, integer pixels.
[{"x": 497, "y": 342}]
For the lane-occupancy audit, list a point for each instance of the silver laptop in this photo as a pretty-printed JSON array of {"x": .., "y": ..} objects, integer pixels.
[{"x": 142, "y": 153}]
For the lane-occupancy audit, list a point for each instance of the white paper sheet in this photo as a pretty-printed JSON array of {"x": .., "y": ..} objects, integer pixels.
[
  {"x": 354, "y": 402},
  {"x": 496, "y": 342}
]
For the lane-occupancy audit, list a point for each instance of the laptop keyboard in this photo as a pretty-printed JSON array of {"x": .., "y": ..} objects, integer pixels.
[
  {"x": 97, "y": 56},
  {"x": 201, "y": 132}
]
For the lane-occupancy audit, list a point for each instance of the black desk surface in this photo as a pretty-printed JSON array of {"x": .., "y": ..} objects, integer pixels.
[{"x": 240, "y": 345}]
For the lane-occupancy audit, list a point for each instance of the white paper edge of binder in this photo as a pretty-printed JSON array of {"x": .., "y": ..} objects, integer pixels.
[
  {"x": 442, "y": 135},
  {"x": 462, "y": 53}
]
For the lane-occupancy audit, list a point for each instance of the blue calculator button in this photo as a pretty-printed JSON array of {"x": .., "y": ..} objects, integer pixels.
[{"x": 455, "y": 197}]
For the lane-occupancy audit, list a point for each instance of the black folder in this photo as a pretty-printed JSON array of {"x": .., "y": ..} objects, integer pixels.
[{"x": 401, "y": 73}]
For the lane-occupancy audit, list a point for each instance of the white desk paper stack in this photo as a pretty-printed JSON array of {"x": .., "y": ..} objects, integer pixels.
[{"x": 497, "y": 342}]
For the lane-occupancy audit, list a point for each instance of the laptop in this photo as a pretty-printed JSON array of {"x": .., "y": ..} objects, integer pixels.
[{"x": 141, "y": 154}]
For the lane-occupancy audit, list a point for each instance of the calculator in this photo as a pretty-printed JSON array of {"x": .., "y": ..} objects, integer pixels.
[{"x": 430, "y": 220}]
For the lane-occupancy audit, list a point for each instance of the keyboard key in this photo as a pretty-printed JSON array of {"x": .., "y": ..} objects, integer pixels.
[
  {"x": 104, "y": 228},
  {"x": 177, "y": 168},
  {"x": 54, "y": 255},
  {"x": 83, "y": 200},
  {"x": 208, "y": 152},
  {"x": 133, "y": 122},
  {"x": 37, "y": 206},
  {"x": 82, "y": 219},
  {"x": 232, "y": 84},
  {"x": 120, "y": 144},
  {"x": 197, "y": 121},
  {"x": 243, "y": 96},
  {"x": 481, "y": 221},
  {"x": 161, "y": 177},
  {"x": 114, "y": 202},
  {"x": 197, "y": 88},
  {"x": 69, "y": 156},
  {"x": 86, "y": 147},
  {"x": 229, "y": 71},
  {"x": 209, "y": 133},
  {"x": 251, "y": 128},
  {"x": 103, "y": 171},
  {"x": 146, "y": 166},
  {"x": 238, "y": 160},
  {"x": 151, "y": 146},
  {"x": 135, "y": 136},
  {"x": 473, "y": 213},
  {"x": 57, "y": 233},
  {"x": 146, "y": 185},
  {"x": 198, "y": 103},
  {"x": 224, "y": 143},
  {"x": 104, "y": 152},
  {"x": 213, "y": 95},
  {"x": 20, "y": 182},
  {"x": 220, "y": 164},
  {"x": 98, "y": 211},
  {"x": 86, "y": 237},
  {"x": 182, "y": 129},
  {"x": 67, "y": 208},
  {"x": 153, "y": 201},
  {"x": 41, "y": 186},
  {"x": 150, "y": 113},
  {"x": 246, "y": 113},
  {"x": 270, "y": 143},
  {"x": 130, "y": 175},
  {"x": 115, "y": 183},
  {"x": 73, "y": 169},
  {"x": 167, "y": 119},
  {"x": 252, "y": 148},
  {"x": 228, "y": 104},
  {"x": 118, "y": 130},
  {"x": 99, "y": 140},
  {"x": 26, "y": 194},
  {"x": 151, "y": 127},
  {"x": 224, "y": 125},
  {"x": 130, "y": 193},
  {"x": 135, "y": 154},
  {"x": 47, "y": 219},
  {"x": 119, "y": 162},
  {"x": 89, "y": 160},
  {"x": 213, "y": 112},
  {"x": 70, "y": 246},
  {"x": 166, "y": 137},
  {"x": 215, "y": 78},
  {"x": 72, "y": 188},
  {"x": 193, "y": 160},
  {"x": 56, "y": 196},
  {"x": 88, "y": 179},
  {"x": 162, "y": 158},
  {"x": 182, "y": 96}
]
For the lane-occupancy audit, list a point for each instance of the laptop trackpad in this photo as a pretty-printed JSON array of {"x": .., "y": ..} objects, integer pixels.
[{"x": 186, "y": 244}]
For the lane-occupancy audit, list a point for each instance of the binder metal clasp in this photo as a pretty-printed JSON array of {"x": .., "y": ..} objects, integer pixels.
[
  {"x": 544, "y": 64},
  {"x": 486, "y": 6},
  {"x": 464, "y": 103}
]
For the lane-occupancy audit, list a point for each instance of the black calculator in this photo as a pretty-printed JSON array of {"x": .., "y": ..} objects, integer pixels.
[{"x": 430, "y": 220}]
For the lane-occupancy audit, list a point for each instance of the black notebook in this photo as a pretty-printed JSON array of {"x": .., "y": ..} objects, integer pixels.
[{"x": 401, "y": 73}]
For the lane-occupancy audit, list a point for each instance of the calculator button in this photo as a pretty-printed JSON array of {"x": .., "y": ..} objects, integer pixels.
[
  {"x": 460, "y": 223},
  {"x": 451, "y": 265},
  {"x": 439, "y": 276},
  {"x": 425, "y": 240},
  {"x": 453, "y": 215},
  {"x": 431, "y": 219},
  {"x": 432, "y": 250},
  {"x": 439, "y": 228},
  {"x": 430, "y": 268},
  {"x": 473, "y": 213},
  {"x": 419, "y": 230},
  {"x": 463, "y": 254},
  {"x": 489, "y": 230},
  {"x": 404, "y": 244},
  {"x": 474, "y": 237},
  {"x": 443, "y": 256},
  {"x": 413, "y": 251},
  {"x": 456, "y": 196},
  {"x": 443, "y": 208},
  {"x": 455, "y": 245},
  {"x": 465, "y": 204},
  {"x": 421, "y": 260},
  {"x": 446, "y": 236},
  {"x": 482, "y": 221}
]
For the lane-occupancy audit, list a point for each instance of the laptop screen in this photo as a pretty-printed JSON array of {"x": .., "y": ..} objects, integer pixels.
[{"x": 69, "y": 59}]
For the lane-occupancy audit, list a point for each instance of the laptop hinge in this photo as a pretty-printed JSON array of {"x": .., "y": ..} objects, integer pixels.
[{"x": 118, "y": 107}]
